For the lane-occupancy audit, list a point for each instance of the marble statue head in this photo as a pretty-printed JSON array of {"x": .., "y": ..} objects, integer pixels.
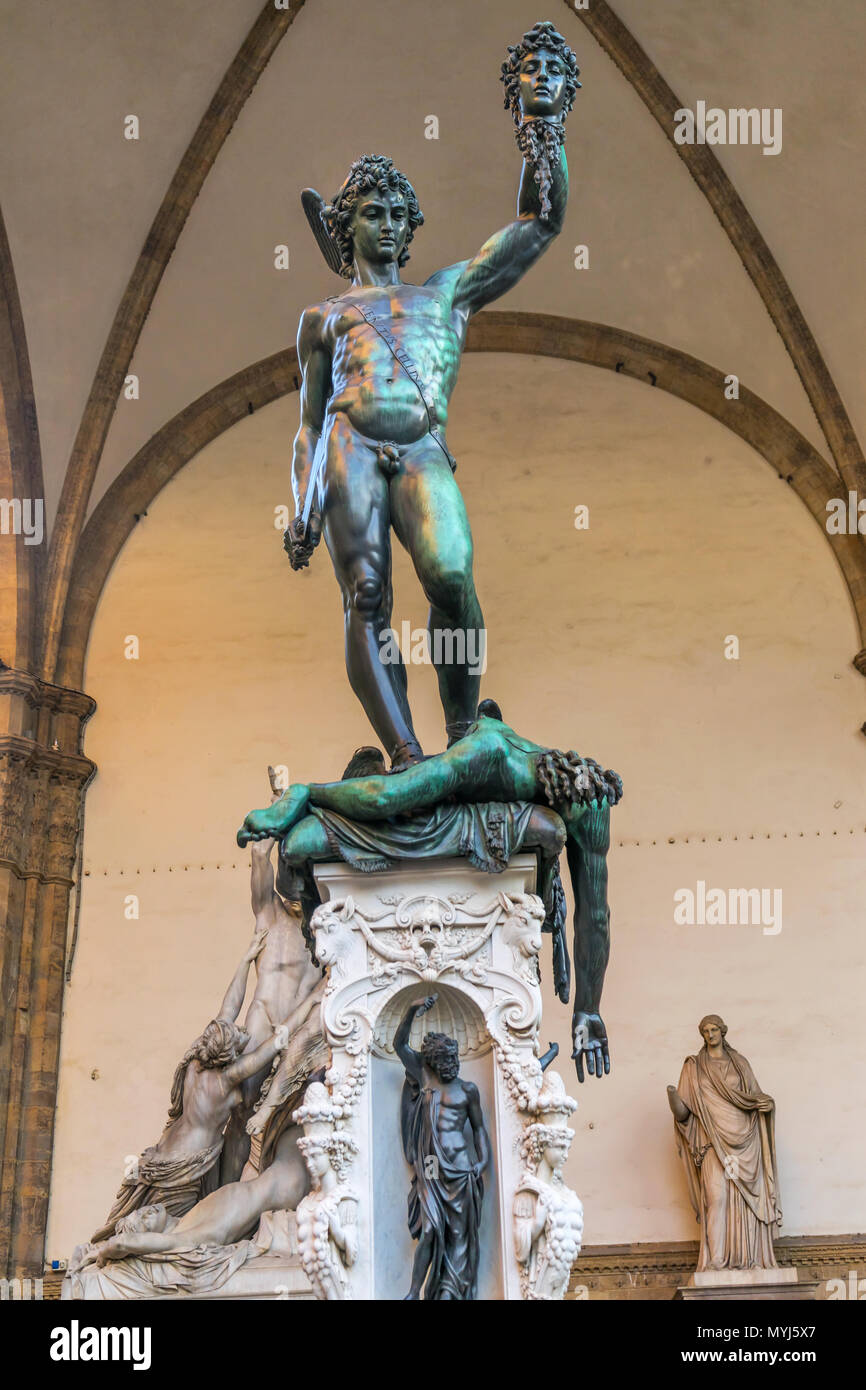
[
  {"x": 712, "y": 1029},
  {"x": 151, "y": 1218},
  {"x": 331, "y": 924},
  {"x": 550, "y": 1142},
  {"x": 220, "y": 1044},
  {"x": 524, "y": 919},
  {"x": 323, "y": 1146}
]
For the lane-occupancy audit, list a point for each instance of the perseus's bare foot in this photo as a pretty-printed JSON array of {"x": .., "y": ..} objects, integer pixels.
[{"x": 274, "y": 821}]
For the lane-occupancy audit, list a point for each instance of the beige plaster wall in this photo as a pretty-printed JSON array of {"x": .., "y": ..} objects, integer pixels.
[{"x": 610, "y": 640}]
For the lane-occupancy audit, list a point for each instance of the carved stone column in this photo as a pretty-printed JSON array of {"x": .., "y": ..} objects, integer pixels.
[{"x": 42, "y": 779}]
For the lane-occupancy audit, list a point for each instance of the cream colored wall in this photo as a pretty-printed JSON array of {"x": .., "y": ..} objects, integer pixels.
[
  {"x": 79, "y": 199},
  {"x": 610, "y": 640}
]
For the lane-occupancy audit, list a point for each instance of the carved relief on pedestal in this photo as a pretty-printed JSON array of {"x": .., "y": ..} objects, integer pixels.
[
  {"x": 430, "y": 935},
  {"x": 481, "y": 955},
  {"x": 327, "y": 1218}
]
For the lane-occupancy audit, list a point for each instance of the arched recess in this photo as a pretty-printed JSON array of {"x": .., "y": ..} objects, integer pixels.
[{"x": 792, "y": 457}]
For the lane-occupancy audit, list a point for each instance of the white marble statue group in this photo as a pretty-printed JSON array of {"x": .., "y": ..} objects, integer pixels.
[
  {"x": 269, "y": 1119},
  {"x": 237, "y": 1145}
]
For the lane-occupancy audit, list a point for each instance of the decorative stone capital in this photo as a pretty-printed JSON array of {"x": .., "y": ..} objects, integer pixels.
[{"x": 42, "y": 775}]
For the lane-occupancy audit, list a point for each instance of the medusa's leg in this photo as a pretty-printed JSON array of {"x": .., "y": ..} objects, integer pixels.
[{"x": 307, "y": 841}]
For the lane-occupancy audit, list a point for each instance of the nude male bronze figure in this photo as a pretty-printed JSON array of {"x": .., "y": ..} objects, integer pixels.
[
  {"x": 447, "y": 1183},
  {"x": 379, "y": 364}
]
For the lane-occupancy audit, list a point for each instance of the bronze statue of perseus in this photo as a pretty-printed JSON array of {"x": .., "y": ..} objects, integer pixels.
[{"x": 379, "y": 364}]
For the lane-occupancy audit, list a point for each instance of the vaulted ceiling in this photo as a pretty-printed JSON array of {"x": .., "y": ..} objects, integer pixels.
[{"x": 327, "y": 80}]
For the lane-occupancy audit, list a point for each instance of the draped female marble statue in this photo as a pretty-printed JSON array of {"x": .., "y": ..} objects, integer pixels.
[
  {"x": 548, "y": 1216},
  {"x": 724, "y": 1127},
  {"x": 328, "y": 1214}
]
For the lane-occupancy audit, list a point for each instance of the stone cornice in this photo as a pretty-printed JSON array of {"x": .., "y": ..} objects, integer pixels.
[
  {"x": 70, "y": 767},
  {"x": 676, "y": 1258},
  {"x": 40, "y": 694}
]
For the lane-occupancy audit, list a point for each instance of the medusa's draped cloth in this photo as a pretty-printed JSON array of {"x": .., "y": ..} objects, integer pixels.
[
  {"x": 487, "y": 834},
  {"x": 447, "y": 1205},
  {"x": 728, "y": 1147},
  {"x": 178, "y": 1183}
]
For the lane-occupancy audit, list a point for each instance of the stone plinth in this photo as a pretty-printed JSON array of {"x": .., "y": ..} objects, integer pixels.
[
  {"x": 387, "y": 939},
  {"x": 267, "y": 1277},
  {"x": 713, "y": 1278},
  {"x": 763, "y": 1285}
]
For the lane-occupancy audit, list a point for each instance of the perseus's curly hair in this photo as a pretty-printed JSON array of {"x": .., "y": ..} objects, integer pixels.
[
  {"x": 370, "y": 171},
  {"x": 567, "y": 779},
  {"x": 437, "y": 1048},
  {"x": 546, "y": 37}
]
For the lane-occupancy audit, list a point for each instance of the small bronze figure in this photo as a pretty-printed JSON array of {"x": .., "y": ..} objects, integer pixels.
[{"x": 447, "y": 1185}]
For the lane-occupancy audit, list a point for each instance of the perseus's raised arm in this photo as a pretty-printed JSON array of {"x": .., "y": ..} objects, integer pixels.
[{"x": 508, "y": 254}]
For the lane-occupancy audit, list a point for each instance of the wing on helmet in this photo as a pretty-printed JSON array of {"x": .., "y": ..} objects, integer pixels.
[{"x": 313, "y": 204}]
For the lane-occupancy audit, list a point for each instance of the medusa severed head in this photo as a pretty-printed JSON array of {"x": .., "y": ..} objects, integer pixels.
[
  {"x": 373, "y": 174},
  {"x": 540, "y": 74},
  {"x": 441, "y": 1055}
]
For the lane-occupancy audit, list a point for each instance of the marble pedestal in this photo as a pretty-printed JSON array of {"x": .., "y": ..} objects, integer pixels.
[
  {"x": 387, "y": 939},
  {"x": 266, "y": 1278},
  {"x": 391, "y": 938},
  {"x": 275, "y": 1274},
  {"x": 725, "y": 1285}
]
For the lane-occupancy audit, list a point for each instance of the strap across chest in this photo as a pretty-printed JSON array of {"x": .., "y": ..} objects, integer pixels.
[{"x": 400, "y": 355}]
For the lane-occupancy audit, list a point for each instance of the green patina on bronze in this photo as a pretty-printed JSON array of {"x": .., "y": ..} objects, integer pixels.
[
  {"x": 379, "y": 365},
  {"x": 491, "y": 763}
]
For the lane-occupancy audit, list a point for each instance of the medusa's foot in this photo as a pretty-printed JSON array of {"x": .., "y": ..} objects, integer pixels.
[{"x": 275, "y": 820}]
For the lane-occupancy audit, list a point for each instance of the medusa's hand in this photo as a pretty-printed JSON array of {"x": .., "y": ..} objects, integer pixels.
[{"x": 589, "y": 1037}]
